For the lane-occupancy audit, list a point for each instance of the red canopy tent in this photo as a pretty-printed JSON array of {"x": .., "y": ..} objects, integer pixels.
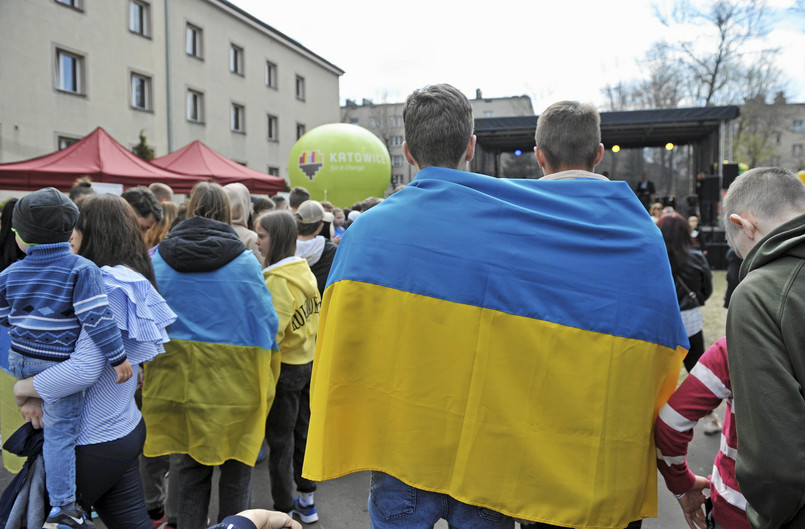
[
  {"x": 97, "y": 155},
  {"x": 198, "y": 159}
]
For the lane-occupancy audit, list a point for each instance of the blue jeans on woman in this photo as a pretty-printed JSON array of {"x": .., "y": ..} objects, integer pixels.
[
  {"x": 396, "y": 505},
  {"x": 62, "y": 419}
]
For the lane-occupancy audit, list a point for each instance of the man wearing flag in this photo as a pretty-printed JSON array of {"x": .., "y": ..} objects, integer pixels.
[{"x": 496, "y": 359}]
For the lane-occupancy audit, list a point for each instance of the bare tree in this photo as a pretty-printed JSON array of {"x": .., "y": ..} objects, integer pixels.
[
  {"x": 758, "y": 128},
  {"x": 719, "y": 61}
]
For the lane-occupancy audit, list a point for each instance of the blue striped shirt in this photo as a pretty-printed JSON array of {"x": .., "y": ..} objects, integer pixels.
[{"x": 109, "y": 409}]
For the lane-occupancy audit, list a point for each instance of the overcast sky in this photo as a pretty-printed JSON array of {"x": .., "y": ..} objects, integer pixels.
[{"x": 546, "y": 50}]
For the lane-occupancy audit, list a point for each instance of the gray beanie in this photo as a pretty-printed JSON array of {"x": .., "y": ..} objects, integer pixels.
[{"x": 44, "y": 216}]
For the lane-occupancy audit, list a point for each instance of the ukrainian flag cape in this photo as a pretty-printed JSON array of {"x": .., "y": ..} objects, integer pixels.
[
  {"x": 507, "y": 342},
  {"x": 209, "y": 394}
]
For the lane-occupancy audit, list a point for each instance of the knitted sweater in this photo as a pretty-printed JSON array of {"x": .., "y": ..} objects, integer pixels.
[{"x": 49, "y": 297}]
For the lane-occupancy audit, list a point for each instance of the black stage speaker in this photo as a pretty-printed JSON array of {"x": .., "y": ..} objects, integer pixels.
[
  {"x": 709, "y": 190},
  {"x": 730, "y": 174}
]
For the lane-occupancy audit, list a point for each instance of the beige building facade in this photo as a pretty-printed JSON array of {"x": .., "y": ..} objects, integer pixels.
[
  {"x": 178, "y": 70},
  {"x": 386, "y": 122}
]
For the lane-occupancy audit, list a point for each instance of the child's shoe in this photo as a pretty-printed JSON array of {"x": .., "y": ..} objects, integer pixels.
[{"x": 68, "y": 517}]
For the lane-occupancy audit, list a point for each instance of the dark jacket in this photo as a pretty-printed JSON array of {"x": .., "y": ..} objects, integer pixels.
[
  {"x": 766, "y": 349},
  {"x": 321, "y": 269},
  {"x": 199, "y": 244},
  {"x": 697, "y": 277}
]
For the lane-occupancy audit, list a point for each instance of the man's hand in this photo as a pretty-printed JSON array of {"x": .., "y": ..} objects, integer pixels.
[
  {"x": 263, "y": 519},
  {"x": 124, "y": 371},
  {"x": 31, "y": 411},
  {"x": 692, "y": 503}
]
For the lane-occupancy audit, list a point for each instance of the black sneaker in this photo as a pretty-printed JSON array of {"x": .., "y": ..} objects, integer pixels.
[{"x": 68, "y": 517}]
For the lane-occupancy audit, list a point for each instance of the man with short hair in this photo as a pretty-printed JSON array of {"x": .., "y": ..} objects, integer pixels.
[
  {"x": 146, "y": 206},
  {"x": 162, "y": 192},
  {"x": 764, "y": 211},
  {"x": 493, "y": 357},
  {"x": 296, "y": 197}
]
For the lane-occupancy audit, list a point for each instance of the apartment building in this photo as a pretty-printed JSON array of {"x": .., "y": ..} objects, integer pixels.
[
  {"x": 789, "y": 139},
  {"x": 179, "y": 70},
  {"x": 386, "y": 122}
]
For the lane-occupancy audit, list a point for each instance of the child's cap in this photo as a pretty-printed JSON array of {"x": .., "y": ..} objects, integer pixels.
[{"x": 44, "y": 216}]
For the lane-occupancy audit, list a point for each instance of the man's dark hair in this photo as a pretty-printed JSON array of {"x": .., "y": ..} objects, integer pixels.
[
  {"x": 297, "y": 196},
  {"x": 81, "y": 188},
  {"x": 438, "y": 126},
  {"x": 278, "y": 200},
  {"x": 144, "y": 202}
]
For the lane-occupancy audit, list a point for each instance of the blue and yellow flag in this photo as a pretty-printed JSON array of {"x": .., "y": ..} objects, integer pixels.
[
  {"x": 507, "y": 342},
  {"x": 209, "y": 394}
]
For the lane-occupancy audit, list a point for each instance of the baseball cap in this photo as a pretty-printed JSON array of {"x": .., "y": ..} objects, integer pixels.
[{"x": 312, "y": 212}]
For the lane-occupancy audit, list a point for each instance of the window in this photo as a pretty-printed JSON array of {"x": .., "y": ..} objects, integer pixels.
[
  {"x": 271, "y": 75},
  {"x": 300, "y": 130},
  {"x": 397, "y": 179},
  {"x": 69, "y": 72},
  {"x": 397, "y": 160},
  {"x": 396, "y": 121},
  {"x": 238, "y": 117},
  {"x": 75, "y": 4},
  {"x": 775, "y": 139},
  {"x": 396, "y": 141},
  {"x": 797, "y": 125},
  {"x": 236, "y": 59},
  {"x": 193, "y": 41},
  {"x": 354, "y": 121},
  {"x": 300, "y": 88},
  {"x": 776, "y": 161},
  {"x": 65, "y": 141},
  {"x": 140, "y": 92},
  {"x": 372, "y": 123},
  {"x": 273, "y": 171},
  {"x": 272, "y": 131},
  {"x": 195, "y": 106},
  {"x": 489, "y": 113},
  {"x": 796, "y": 149},
  {"x": 139, "y": 18}
]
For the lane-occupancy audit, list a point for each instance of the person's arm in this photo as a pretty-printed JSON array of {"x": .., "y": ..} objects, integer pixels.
[
  {"x": 92, "y": 311},
  {"x": 701, "y": 392},
  {"x": 706, "y": 277},
  {"x": 79, "y": 372},
  {"x": 763, "y": 321}
]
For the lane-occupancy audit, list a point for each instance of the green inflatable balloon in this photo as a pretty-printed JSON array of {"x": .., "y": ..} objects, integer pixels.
[{"x": 341, "y": 163}]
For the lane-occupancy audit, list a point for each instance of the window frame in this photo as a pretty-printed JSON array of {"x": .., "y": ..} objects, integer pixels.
[
  {"x": 237, "y": 118},
  {"x": 236, "y": 60},
  {"x": 198, "y": 41},
  {"x": 198, "y": 96},
  {"x": 79, "y": 72},
  {"x": 68, "y": 140},
  {"x": 145, "y": 15},
  {"x": 300, "y": 127},
  {"x": 300, "y": 88},
  {"x": 273, "y": 171},
  {"x": 797, "y": 149},
  {"x": 797, "y": 125},
  {"x": 272, "y": 127},
  {"x": 78, "y": 5},
  {"x": 271, "y": 75},
  {"x": 147, "y": 92}
]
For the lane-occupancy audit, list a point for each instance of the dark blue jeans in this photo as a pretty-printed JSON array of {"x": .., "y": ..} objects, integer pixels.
[
  {"x": 108, "y": 478},
  {"x": 286, "y": 433},
  {"x": 395, "y": 505}
]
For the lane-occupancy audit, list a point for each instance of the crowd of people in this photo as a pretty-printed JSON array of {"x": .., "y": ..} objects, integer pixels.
[{"x": 495, "y": 360}]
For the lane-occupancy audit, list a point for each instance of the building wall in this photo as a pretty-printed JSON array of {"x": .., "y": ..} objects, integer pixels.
[
  {"x": 790, "y": 151},
  {"x": 385, "y": 121},
  {"x": 34, "y": 113}
]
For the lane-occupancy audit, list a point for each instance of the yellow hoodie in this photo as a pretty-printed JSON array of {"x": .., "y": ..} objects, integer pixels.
[{"x": 297, "y": 302}]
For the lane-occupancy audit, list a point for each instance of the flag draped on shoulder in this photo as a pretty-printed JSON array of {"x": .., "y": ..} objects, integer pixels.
[
  {"x": 209, "y": 394},
  {"x": 507, "y": 342}
]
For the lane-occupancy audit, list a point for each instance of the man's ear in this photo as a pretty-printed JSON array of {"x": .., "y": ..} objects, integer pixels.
[
  {"x": 540, "y": 156},
  {"x": 407, "y": 154},
  {"x": 600, "y": 154},
  {"x": 746, "y": 222},
  {"x": 471, "y": 148}
]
